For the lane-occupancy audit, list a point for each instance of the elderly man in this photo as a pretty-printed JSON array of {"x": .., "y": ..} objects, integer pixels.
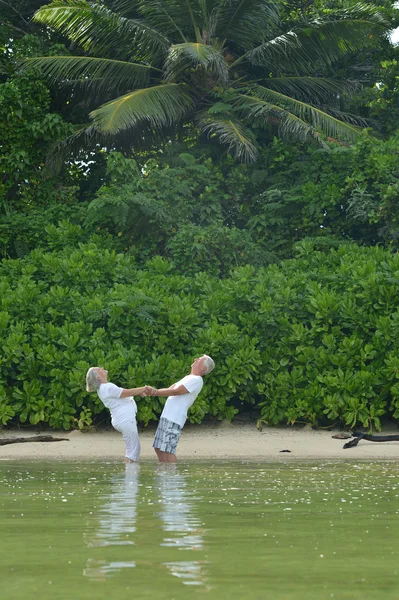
[{"x": 181, "y": 396}]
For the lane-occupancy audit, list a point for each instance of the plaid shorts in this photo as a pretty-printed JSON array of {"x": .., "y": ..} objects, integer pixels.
[{"x": 167, "y": 435}]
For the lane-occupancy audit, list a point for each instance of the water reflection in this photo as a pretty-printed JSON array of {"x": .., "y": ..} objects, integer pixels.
[
  {"x": 117, "y": 523},
  {"x": 183, "y": 529}
]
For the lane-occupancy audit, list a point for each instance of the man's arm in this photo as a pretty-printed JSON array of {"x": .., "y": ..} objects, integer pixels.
[{"x": 171, "y": 391}]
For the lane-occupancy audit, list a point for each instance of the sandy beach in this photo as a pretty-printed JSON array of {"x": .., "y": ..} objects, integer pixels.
[{"x": 223, "y": 441}]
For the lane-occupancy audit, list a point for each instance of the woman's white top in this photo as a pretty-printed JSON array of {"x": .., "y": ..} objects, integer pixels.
[{"x": 122, "y": 409}]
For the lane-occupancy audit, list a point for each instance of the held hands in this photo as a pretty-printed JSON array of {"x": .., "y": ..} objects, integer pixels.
[{"x": 147, "y": 390}]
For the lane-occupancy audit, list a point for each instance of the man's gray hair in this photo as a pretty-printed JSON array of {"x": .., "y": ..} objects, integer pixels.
[
  {"x": 92, "y": 380},
  {"x": 209, "y": 364}
]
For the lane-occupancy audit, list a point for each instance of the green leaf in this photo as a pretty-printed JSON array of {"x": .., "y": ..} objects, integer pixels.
[
  {"x": 343, "y": 31},
  {"x": 159, "y": 106},
  {"x": 310, "y": 89},
  {"x": 173, "y": 18},
  {"x": 246, "y": 20},
  {"x": 94, "y": 72},
  {"x": 183, "y": 56},
  {"x": 232, "y": 133},
  {"x": 297, "y": 118},
  {"x": 95, "y": 28}
]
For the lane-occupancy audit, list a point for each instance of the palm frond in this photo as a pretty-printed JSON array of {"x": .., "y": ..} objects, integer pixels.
[
  {"x": 268, "y": 53},
  {"x": 167, "y": 16},
  {"x": 92, "y": 71},
  {"x": 184, "y": 56},
  {"x": 361, "y": 11},
  {"x": 290, "y": 126},
  {"x": 327, "y": 41},
  {"x": 180, "y": 20},
  {"x": 206, "y": 9},
  {"x": 264, "y": 102},
  {"x": 320, "y": 41},
  {"x": 355, "y": 120},
  {"x": 230, "y": 132},
  {"x": 158, "y": 106},
  {"x": 98, "y": 30},
  {"x": 194, "y": 22},
  {"x": 124, "y": 7},
  {"x": 348, "y": 30},
  {"x": 247, "y": 21},
  {"x": 87, "y": 142},
  {"x": 311, "y": 89}
]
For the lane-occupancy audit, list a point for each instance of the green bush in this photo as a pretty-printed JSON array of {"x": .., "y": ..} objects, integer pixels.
[
  {"x": 204, "y": 216},
  {"x": 311, "y": 339}
]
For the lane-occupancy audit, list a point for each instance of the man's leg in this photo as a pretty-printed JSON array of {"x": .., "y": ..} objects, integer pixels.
[
  {"x": 165, "y": 457},
  {"x": 166, "y": 437},
  {"x": 158, "y": 453},
  {"x": 171, "y": 457}
]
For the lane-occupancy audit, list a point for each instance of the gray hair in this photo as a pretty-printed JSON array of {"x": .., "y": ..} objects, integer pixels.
[
  {"x": 209, "y": 364},
  {"x": 92, "y": 380}
]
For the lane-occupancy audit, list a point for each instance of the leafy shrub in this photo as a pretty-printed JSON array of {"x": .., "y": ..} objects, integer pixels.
[
  {"x": 311, "y": 339},
  {"x": 206, "y": 216}
]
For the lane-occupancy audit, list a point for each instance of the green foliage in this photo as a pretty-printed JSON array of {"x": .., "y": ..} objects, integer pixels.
[
  {"x": 208, "y": 216},
  {"x": 383, "y": 98},
  {"x": 26, "y": 128},
  {"x": 31, "y": 198},
  {"x": 224, "y": 66},
  {"x": 311, "y": 339},
  {"x": 215, "y": 249},
  {"x": 178, "y": 210}
]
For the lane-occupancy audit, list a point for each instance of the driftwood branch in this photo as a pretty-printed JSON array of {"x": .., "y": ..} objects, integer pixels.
[
  {"x": 370, "y": 438},
  {"x": 38, "y": 438}
]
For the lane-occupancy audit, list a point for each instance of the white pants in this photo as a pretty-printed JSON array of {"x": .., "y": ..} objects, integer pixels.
[{"x": 131, "y": 436}]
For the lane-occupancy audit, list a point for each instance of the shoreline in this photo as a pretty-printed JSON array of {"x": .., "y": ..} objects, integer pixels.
[{"x": 223, "y": 441}]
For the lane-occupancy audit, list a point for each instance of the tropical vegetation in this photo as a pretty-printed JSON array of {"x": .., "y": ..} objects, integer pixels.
[
  {"x": 112, "y": 243},
  {"x": 229, "y": 67},
  {"x": 313, "y": 339}
]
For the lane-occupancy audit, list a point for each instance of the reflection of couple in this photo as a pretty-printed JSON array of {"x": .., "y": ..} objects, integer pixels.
[
  {"x": 117, "y": 524},
  {"x": 181, "y": 526},
  {"x": 122, "y": 406}
]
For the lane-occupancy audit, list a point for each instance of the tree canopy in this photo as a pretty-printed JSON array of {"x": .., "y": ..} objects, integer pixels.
[{"x": 229, "y": 66}]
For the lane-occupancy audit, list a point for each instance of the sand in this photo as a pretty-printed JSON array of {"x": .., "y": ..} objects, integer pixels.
[{"x": 223, "y": 441}]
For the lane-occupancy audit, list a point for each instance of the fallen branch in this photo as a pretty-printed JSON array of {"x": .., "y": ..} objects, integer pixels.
[
  {"x": 38, "y": 438},
  {"x": 370, "y": 438}
]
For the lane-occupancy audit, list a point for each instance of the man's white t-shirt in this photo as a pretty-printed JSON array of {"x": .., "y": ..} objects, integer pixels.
[
  {"x": 176, "y": 407},
  {"x": 121, "y": 409}
]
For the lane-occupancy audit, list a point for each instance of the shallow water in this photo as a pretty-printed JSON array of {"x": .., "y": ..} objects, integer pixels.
[{"x": 223, "y": 531}]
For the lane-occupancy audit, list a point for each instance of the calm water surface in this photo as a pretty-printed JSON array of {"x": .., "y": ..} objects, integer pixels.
[{"x": 219, "y": 531}]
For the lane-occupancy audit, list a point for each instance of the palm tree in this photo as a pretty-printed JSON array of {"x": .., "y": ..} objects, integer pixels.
[{"x": 225, "y": 65}]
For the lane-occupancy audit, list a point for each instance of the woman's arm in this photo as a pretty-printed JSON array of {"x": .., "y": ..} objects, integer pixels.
[{"x": 146, "y": 390}]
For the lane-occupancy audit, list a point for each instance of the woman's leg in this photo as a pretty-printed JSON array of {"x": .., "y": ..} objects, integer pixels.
[{"x": 131, "y": 437}]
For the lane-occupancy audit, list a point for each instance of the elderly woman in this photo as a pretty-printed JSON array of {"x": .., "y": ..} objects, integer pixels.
[{"x": 122, "y": 406}]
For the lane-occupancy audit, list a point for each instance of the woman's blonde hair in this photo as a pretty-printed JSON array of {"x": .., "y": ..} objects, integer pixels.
[{"x": 92, "y": 380}]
